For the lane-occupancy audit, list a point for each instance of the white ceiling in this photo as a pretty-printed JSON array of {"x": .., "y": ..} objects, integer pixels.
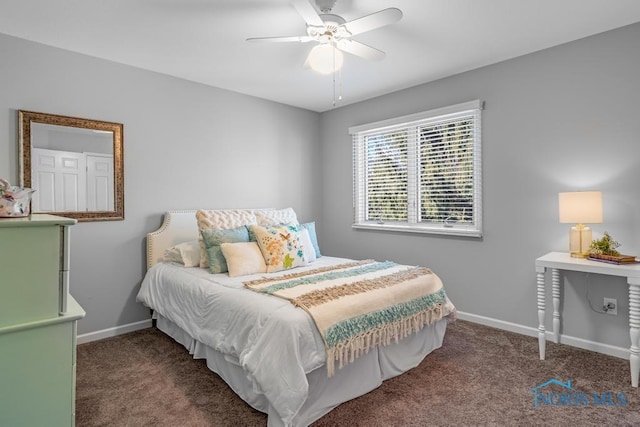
[{"x": 204, "y": 40}]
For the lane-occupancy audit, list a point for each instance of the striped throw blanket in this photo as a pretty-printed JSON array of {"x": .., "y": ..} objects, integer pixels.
[{"x": 360, "y": 305}]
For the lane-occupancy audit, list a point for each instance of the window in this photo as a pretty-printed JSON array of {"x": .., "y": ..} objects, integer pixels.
[{"x": 420, "y": 173}]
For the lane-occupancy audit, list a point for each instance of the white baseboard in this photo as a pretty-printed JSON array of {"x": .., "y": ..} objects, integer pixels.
[
  {"x": 112, "y": 332},
  {"x": 607, "y": 349}
]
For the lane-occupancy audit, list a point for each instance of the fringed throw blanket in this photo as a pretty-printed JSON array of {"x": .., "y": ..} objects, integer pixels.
[{"x": 360, "y": 305}]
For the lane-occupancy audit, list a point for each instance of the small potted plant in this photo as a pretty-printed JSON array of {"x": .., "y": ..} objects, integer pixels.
[{"x": 605, "y": 249}]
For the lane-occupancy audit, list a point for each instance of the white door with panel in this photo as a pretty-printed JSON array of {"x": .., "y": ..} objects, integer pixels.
[
  {"x": 60, "y": 180},
  {"x": 99, "y": 182},
  {"x": 68, "y": 181}
]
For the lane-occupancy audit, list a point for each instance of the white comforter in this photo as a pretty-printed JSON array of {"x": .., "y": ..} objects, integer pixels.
[{"x": 249, "y": 327}]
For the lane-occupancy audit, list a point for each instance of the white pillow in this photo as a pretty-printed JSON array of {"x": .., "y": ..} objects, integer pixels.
[
  {"x": 172, "y": 254},
  {"x": 187, "y": 253},
  {"x": 276, "y": 216},
  {"x": 243, "y": 258},
  {"x": 307, "y": 245}
]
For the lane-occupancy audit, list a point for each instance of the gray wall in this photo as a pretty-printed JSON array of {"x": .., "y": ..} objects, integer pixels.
[
  {"x": 186, "y": 146},
  {"x": 558, "y": 120},
  {"x": 563, "y": 119}
]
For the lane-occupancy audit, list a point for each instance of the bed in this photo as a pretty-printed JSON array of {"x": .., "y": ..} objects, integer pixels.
[{"x": 270, "y": 352}]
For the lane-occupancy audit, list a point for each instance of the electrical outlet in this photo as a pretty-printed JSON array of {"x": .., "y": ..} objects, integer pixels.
[{"x": 610, "y": 306}]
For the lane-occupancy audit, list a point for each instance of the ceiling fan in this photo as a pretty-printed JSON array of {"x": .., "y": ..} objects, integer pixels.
[{"x": 333, "y": 34}]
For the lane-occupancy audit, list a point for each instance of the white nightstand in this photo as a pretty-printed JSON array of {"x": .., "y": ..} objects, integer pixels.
[{"x": 562, "y": 261}]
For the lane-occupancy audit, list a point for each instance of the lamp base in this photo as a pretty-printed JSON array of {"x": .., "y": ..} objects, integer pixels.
[
  {"x": 579, "y": 254},
  {"x": 579, "y": 241}
]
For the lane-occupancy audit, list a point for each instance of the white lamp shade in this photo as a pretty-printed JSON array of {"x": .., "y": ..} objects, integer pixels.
[
  {"x": 325, "y": 58},
  {"x": 581, "y": 207}
]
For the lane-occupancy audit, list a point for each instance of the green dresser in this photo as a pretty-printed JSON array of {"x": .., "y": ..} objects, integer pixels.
[{"x": 37, "y": 323}]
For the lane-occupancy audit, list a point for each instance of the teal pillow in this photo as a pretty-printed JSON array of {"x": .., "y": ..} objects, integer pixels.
[
  {"x": 311, "y": 228},
  {"x": 212, "y": 241},
  {"x": 252, "y": 235}
]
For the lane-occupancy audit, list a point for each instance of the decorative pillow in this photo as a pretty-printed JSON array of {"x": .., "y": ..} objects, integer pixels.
[
  {"x": 221, "y": 220},
  {"x": 243, "y": 258},
  {"x": 252, "y": 236},
  {"x": 280, "y": 246},
  {"x": 276, "y": 216},
  {"x": 214, "y": 238},
  {"x": 311, "y": 227},
  {"x": 305, "y": 241},
  {"x": 172, "y": 254},
  {"x": 187, "y": 253}
]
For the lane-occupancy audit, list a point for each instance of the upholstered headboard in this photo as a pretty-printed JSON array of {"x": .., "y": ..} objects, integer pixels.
[
  {"x": 182, "y": 226},
  {"x": 177, "y": 227}
]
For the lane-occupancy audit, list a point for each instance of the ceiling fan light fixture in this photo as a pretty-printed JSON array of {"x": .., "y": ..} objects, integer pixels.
[{"x": 325, "y": 58}]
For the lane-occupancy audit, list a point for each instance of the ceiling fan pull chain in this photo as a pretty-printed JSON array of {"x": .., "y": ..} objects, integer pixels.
[
  {"x": 334, "y": 76},
  {"x": 337, "y": 72},
  {"x": 334, "y": 90},
  {"x": 340, "y": 83}
]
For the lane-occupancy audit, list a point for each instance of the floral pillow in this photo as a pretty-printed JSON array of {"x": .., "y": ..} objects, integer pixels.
[{"x": 280, "y": 246}]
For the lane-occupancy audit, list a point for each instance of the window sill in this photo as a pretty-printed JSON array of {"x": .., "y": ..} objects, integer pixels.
[{"x": 441, "y": 230}]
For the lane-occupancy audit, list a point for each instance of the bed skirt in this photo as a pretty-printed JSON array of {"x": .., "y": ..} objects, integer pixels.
[{"x": 353, "y": 380}]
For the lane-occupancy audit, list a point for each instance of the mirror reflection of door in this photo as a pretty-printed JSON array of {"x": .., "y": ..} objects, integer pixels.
[
  {"x": 99, "y": 182},
  {"x": 59, "y": 178},
  {"x": 71, "y": 169}
]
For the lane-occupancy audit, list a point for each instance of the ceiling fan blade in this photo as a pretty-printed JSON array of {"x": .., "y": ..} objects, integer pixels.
[
  {"x": 373, "y": 21},
  {"x": 308, "y": 13},
  {"x": 307, "y": 62},
  {"x": 360, "y": 49},
  {"x": 301, "y": 39}
]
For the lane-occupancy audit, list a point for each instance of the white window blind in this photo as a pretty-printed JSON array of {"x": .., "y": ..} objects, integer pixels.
[{"x": 420, "y": 173}]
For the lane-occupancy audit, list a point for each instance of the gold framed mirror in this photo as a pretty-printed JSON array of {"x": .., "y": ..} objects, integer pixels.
[{"x": 75, "y": 165}]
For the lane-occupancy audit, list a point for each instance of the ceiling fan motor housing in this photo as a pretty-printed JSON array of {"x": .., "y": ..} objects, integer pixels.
[{"x": 333, "y": 28}]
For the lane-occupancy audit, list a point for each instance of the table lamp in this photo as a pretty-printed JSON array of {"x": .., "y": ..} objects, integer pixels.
[{"x": 579, "y": 208}]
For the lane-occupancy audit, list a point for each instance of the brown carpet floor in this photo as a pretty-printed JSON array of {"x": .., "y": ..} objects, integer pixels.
[{"x": 480, "y": 376}]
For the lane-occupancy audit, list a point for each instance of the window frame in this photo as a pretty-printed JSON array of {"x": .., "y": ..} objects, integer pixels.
[{"x": 411, "y": 123}]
